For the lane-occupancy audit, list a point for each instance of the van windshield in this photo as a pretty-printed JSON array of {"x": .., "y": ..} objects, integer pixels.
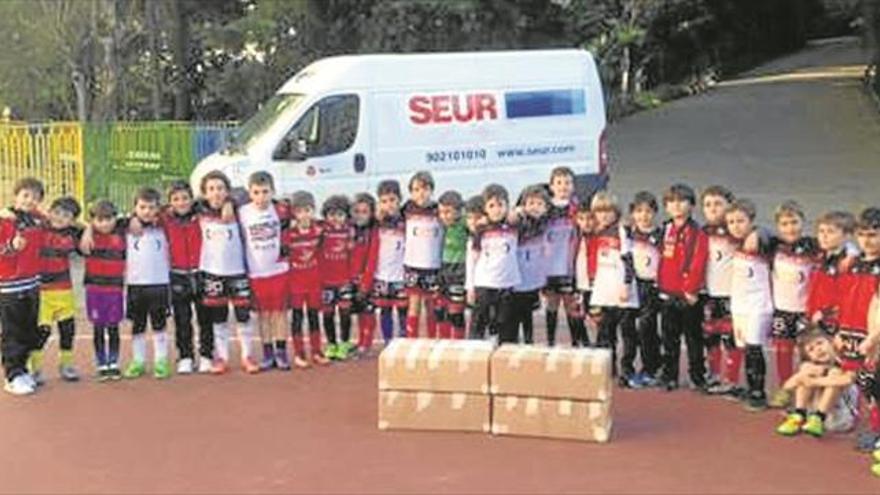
[{"x": 262, "y": 120}]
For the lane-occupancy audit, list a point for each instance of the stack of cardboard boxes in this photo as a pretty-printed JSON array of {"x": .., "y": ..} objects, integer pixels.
[
  {"x": 427, "y": 384},
  {"x": 551, "y": 392},
  {"x": 512, "y": 390}
]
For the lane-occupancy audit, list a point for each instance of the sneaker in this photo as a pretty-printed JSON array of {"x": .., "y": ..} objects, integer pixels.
[
  {"x": 712, "y": 381},
  {"x": 345, "y": 350},
  {"x": 875, "y": 469},
  {"x": 134, "y": 370},
  {"x": 113, "y": 372},
  {"x": 185, "y": 366},
  {"x": 756, "y": 402},
  {"x": 20, "y": 385},
  {"x": 780, "y": 400},
  {"x": 648, "y": 381},
  {"x": 699, "y": 388},
  {"x": 282, "y": 362},
  {"x": 791, "y": 426},
  {"x": 301, "y": 362},
  {"x": 205, "y": 365},
  {"x": 332, "y": 352},
  {"x": 634, "y": 382},
  {"x": 250, "y": 366},
  {"x": 267, "y": 363},
  {"x": 320, "y": 359},
  {"x": 161, "y": 369},
  {"x": 876, "y": 455},
  {"x": 814, "y": 426},
  {"x": 68, "y": 373},
  {"x": 102, "y": 374},
  {"x": 670, "y": 385},
  {"x": 219, "y": 367}
]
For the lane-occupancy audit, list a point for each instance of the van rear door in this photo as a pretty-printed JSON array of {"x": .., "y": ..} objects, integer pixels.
[{"x": 324, "y": 152}]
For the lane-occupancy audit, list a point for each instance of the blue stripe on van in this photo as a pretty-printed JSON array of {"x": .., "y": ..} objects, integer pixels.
[{"x": 543, "y": 103}]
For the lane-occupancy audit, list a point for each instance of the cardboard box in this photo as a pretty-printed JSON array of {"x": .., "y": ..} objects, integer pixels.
[
  {"x": 434, "y": 411},
  {"x": 436, "y": 365},
  {"x": 551, "y": 418},
  {"x": 536, "y": 371}
]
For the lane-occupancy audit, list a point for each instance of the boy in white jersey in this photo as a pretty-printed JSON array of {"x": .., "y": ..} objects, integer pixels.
[
  {"x": 647, "y": 239},
  {"x": 751, "y": 298},
  {"x": 717, "y": 326},
  {"x": 264, "y": 222},
  {"x": 496, "y": 270},
  {"x": 224, "y": 274},
  {"x": 794, "y": 256},
  {"x": 612, "y": 276},
  {"x": 474, "y": 218},
  {"x": 532, "y": 258},
  {"x": 423, "y": 250},
  {"x": 561, "y": 245},
  {"x": 147, "y": 277},
  {"x": 388, "y": 281}
]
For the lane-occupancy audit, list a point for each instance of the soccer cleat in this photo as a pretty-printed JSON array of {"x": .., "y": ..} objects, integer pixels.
[
  {"x": 875, "y": 469},
  {"x": 647, "y": 380},
  {"x": 161, "y": 369},
  {"x": 68, "y": 373},
  {"x": 670, "y": 385},
  {"x": 736, "y": 394},
  {"x": 876, "y": 455},
  {"x": 720, "y": 388},
  {"x": 780, "y": 400},
  {"x": 134, "y": 370},
  {"x": 250, "y": 366},
  {"x": 102, "y": 374},
  {"x": 185, "y": 366},
  {"x": 301, "y": 362},
  {"x": 345, "y": 350},
  {"x": 205, "y": 365},
  {"x": 219, "y": 367},
  {"x": 866, "y": 441},
  {"x": 332, "y": 352},
  {"x": 267, "y": 363},
  {"x": 791, "y": 426},
  {"x": 19, "y": 385},
  {"x": 814, "y": 426}
]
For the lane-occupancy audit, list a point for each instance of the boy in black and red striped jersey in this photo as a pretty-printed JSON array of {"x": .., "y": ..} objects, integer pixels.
[
  {"x": 388, "y": 282},
  {"x": 794, "y": 256},
  {"x": 104, "y": 283},
  {"x": 496, "y": 269},
  {"x": 561, "y": 251},
  {"x": 364, "y": 254},
  {"x": 422, "y": 253},
  {"x": 303, "y": 244},
  {"x": 181, "y": 223},
  {"x": 21, "y": 239},
  {"x": 534, "y": 201},
  {"x": 717, "y": 326},
  {"x": 334, "y": 262},
  {"x": 857, "y": 339},
  {"x": 57, "y": 305},
  {"x": 264, "y": 222},
  {"x": 224, "y": 273},
  {"x": 647, "y": 238}
]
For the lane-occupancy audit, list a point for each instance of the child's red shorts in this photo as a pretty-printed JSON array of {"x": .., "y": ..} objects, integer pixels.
[{"x": 270, "y": 293}]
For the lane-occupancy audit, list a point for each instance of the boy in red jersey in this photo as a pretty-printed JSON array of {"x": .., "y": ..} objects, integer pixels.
[
  {"x": 333, "y": 262},
  {"x": 104, "y": 284},
  {"x": 264, "y": 222},
  {"x": 364, "y": 254},
  {"x": 422, "y": 253},
  {"x": 833, "y": 231},
  {"x": 21, "y": 239},
  {"x": 57, "y": 304},
  {"x": 794, "y": 256},
  {"x": 855, "y": 342},
  {"x": 303, "y": 245},
  {"x": 184, "y": 234},
  {"x": 680, "y": 277}
]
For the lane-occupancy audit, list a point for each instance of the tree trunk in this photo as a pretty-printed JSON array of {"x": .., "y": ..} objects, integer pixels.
[
  {"x": 180, "y": 50},
  {"x": 152, "y": 15}
]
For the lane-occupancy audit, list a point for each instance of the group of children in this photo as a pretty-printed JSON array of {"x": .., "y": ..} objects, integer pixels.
[{"x": 728, "y": 287}]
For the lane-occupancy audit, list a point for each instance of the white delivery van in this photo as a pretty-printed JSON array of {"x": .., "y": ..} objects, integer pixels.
[{"x": 343, "y": 124}]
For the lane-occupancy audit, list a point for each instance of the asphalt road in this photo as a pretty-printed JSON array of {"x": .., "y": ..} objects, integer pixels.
[{"x": 800, "y": 127}]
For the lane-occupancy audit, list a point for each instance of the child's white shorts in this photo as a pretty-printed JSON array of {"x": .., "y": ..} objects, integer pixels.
[{"x": 752, "y": 328}]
